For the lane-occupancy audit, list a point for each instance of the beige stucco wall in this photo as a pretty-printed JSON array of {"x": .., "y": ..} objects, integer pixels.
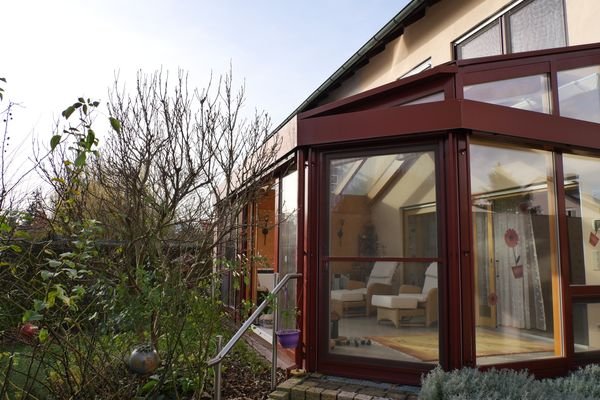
[
  {"x": 446, "y": 21},
  {"x": 582, "y": 21}
]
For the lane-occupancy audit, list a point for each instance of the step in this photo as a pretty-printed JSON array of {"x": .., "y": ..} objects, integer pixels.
[{"x": 323, "y": 387}]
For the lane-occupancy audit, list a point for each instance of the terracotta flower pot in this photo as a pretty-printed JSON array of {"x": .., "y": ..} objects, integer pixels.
[
  {"x": 517, "y": 271},
  {"x": 288, "y": 338}
]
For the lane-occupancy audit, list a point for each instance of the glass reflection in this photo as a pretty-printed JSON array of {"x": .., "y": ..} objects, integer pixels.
[
  {"x": 288, "y": 233},
  {"x": 586, "y": 320},
  {"x": 372, "y": 314},
  {"x": 529, "y": 93},
  {"x": 579, "y": 93},
  {"x": 383, "y": 206},
  {"x": 582, "y": 198},
  {"x": 516, "y": 271},
  {"x": 380, "y": 207}
]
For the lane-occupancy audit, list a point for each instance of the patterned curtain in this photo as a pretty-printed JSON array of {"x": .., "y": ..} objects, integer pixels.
[{"x": 519, "y": 289}]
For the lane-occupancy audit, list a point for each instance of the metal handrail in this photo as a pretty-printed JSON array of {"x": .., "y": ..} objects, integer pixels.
[{"x": 222, "y": 352}]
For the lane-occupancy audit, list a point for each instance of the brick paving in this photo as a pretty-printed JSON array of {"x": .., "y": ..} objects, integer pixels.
[{"x": 322, "y": 387}]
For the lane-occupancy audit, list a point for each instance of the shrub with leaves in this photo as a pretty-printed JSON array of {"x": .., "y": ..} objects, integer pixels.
[
  {"x": 127, "y": 256},
  {"x": 472, "y": 384}
]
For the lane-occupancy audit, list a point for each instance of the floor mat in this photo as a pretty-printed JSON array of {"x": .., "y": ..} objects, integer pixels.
[{"x": 424, "y": 346}]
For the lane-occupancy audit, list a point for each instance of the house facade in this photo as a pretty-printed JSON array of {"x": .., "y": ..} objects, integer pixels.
[{"x": 439, "y": 194}]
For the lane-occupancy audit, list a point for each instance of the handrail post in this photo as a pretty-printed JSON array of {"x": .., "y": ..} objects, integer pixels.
[
  {"x": 275, "y": 321},
  {"x": 217, "y": 395},
  {"x": 223, "y": 351}
]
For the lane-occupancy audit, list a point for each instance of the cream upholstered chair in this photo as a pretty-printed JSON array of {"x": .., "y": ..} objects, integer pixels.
[
  {"x": 411, "y": 301},
  {"x": 355, "y": 300}
]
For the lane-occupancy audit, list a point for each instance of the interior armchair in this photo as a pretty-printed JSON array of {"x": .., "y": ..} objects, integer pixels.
[
  {"x": 355, "y": 299},
  {"x": 411, "y": 301}
]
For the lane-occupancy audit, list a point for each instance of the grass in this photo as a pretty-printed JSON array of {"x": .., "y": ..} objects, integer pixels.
[{"x": 21, "y": 373}]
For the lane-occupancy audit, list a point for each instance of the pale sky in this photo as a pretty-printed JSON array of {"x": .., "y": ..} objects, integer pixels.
[{"x": 54, "y": 51}]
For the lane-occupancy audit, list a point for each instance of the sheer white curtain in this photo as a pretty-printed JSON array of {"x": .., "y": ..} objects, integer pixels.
[{"x": 520, "y": 298}]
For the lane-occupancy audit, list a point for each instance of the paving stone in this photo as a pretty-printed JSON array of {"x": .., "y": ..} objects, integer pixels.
[
  {"x": 289, "y": 384},
  {"x": 314, "y": 393},
  {"x": 321, "y": 387},
  {"x": 375, "y": 392},
  {"x": 279, "y": 395},
  {"x": 346, "y": 395},
  {"x": 350, "y": 388},
  {"x": 330, "y": 385},
  {"x": 299, "y": 392},
  {"x": 396, "y": 396},
  {"x": 312, "y": 383},
  {"x": 329, "y": 394}
]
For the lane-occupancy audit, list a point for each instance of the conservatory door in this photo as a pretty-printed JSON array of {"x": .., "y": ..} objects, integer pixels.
[{"x": 379, "y": 262}]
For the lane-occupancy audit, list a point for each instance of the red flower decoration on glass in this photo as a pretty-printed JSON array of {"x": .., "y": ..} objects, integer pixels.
[
  {"x": 492, "y": 299},
  {"x": 511, "y": 238}
]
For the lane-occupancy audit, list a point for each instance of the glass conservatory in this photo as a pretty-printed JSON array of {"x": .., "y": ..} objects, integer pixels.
[{"x": 453, "y": 218}]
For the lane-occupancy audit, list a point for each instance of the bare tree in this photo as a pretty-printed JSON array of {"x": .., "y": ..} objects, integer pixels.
[{"x": 177, "y": 154}]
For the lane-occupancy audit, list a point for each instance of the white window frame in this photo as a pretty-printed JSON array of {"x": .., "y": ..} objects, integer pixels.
[{"x": 422, "y": 66}]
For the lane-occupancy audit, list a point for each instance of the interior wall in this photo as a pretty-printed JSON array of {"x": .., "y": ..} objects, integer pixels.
[
  {"x": 591, "y": 212},
  {"x": 265, "y": 245},
  {"x": 412, "y": 189},
  {"x": 354, "y": 212},
  {"x": 593, "y": 315}
]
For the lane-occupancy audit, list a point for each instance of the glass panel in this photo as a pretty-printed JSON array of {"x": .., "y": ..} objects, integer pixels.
[
  {"x": 386, "y": 310},
  {"x": 288, "y": 233},
  {"x": 424, "y": 66},
  {"x": 526, "y": 93},
  {"x": 516, "y": 272},
  {"x": 383, "y": 206},
  {"x": 586, "y": 326},
  {"x": 579, "y": 94},
  {"x": 430, "y": 98},
  {"x": 582, "y": 201},
  {"x": 538, "y": 25},
  {"x": 487, "y": 42}
]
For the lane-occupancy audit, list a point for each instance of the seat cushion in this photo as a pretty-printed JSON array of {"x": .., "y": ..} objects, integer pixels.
[
  {"x": 382, "y": 272},
  {"x": 398, "y": 301},
  {"x": 349, "y": 294}
]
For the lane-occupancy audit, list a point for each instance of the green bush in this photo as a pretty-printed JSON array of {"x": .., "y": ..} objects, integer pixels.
[{"x": 472, "y": 384}]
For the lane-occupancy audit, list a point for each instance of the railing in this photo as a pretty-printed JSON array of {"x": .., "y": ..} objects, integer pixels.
[{"x": 222, "y": 352}]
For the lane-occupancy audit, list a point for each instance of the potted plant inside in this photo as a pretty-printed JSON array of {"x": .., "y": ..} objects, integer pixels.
[{"x": 287, "y": 334}]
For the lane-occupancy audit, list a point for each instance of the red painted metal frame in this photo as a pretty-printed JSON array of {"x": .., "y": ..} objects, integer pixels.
[
  {"x": 301, "y": 284},
  {"x": 459, "y": 246},
  {"x": 312, "y": 277},
  {"x": 563, "y": 240}
]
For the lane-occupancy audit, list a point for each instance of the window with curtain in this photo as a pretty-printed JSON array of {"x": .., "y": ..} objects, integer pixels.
[
  {"x": 516, "y": 268},
  {"x": 523, "y": 26}
]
